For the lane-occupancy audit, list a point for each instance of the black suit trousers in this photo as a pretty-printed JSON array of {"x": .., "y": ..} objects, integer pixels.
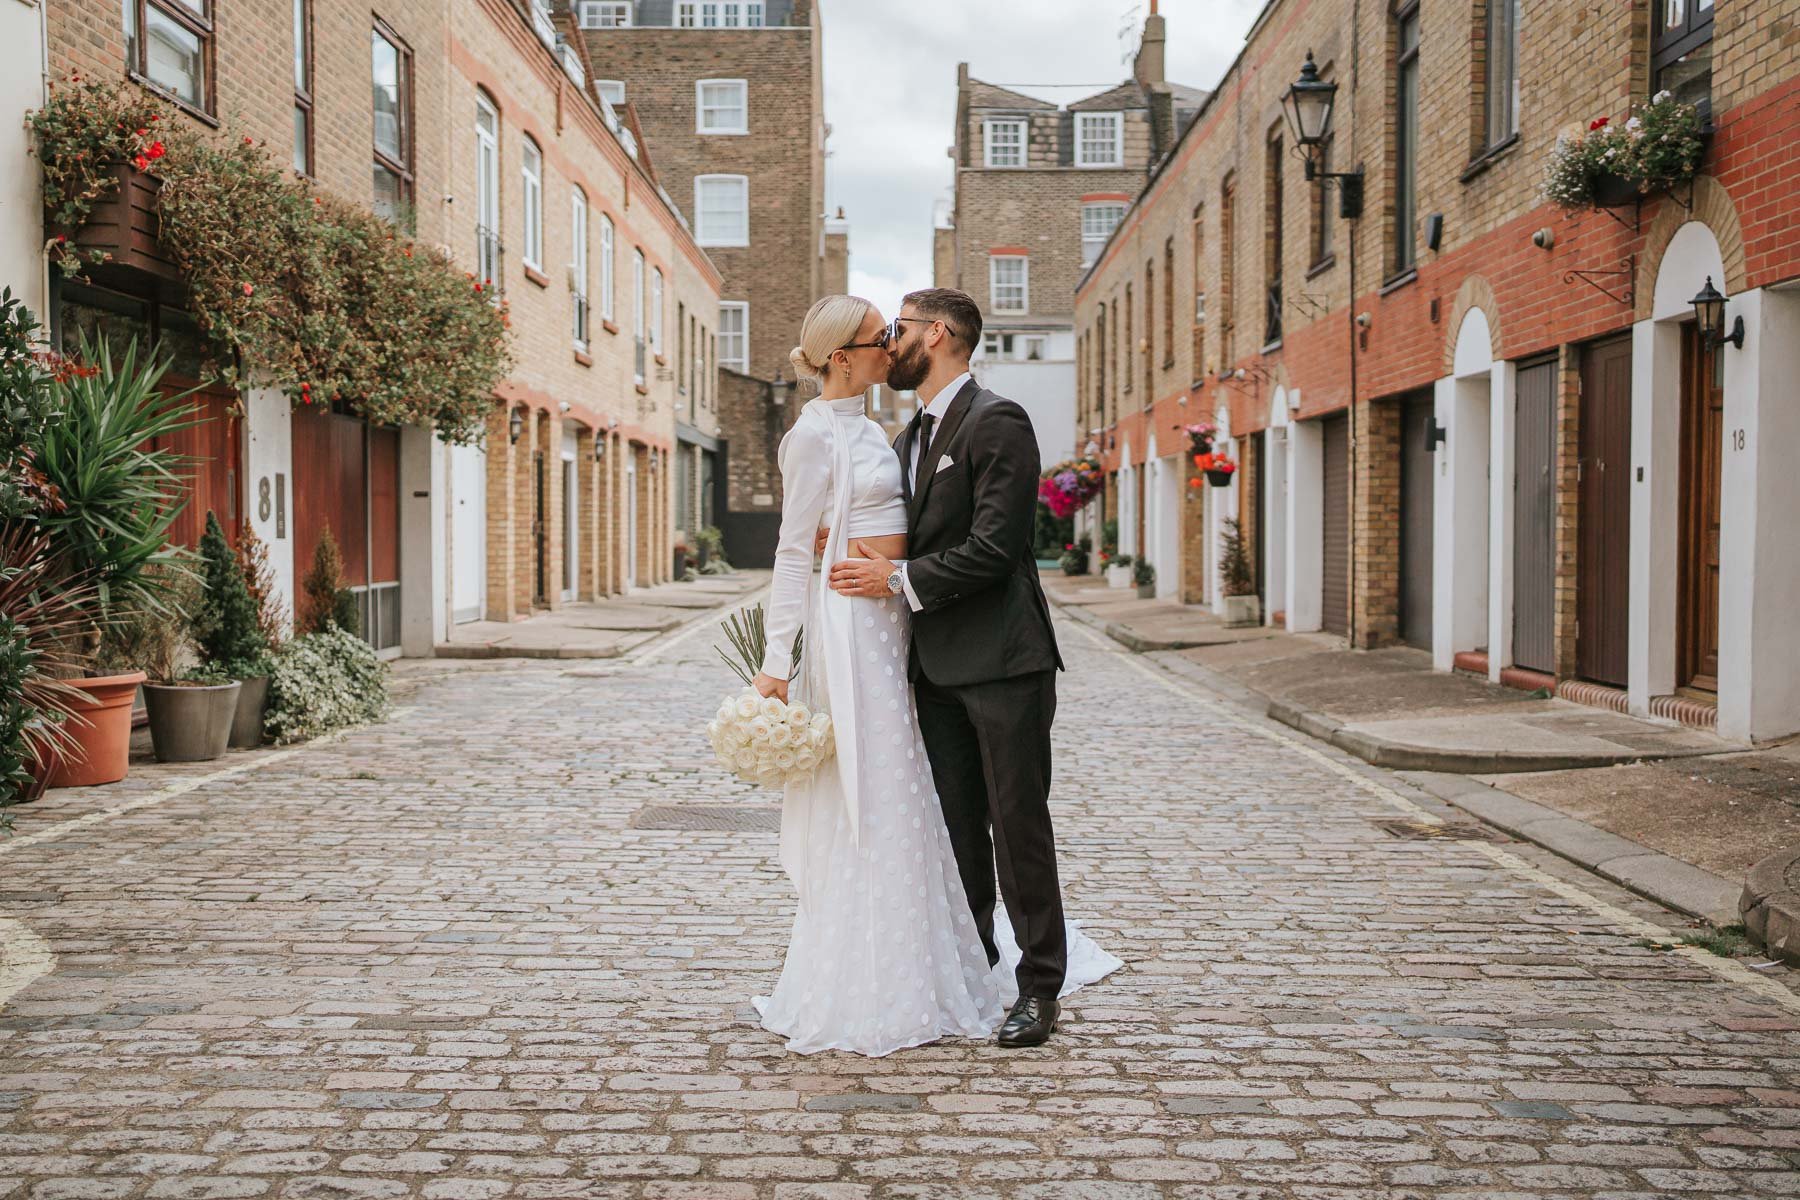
[{"x": 989, "y": 745}]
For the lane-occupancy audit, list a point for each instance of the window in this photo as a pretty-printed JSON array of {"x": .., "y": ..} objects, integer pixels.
[
  {"x": 532, "y": 173},
  {"x": 1099, "y": 139},
  {"x": 1149, "y": 324},
  {"x": 656, "y": 311},
  {"x": 719, "y": 14},
  {"x": 1227, "y": 270},
  {"x": 722, "y": 106},
  {"x": 1009, "y": 277},
  {"x": 606, "y": 267},
  {"x": 637, "y": 311},
  {"x": 303, "y": 99},
  {"x": 578, "y": 264},
  {"x": 1128, "y": 360},
  {"x": 722, "y": 210},
  {"x": 392, "y": 83},
  {"x": 170, "y": 44},
  {"x": 1199, "y": 335},
  {"x": 1005, "y": 142},
  {"x": 543, "y": 21},
  {"x": 734, "y": 336},
  {"x": 1011, "y": 347},
  {"x": 487, "y": 190},
  {"x": 1169, "y": 303},
  {"x": 612, "y": 91},
  {"x": 1406, "y": 136},
  {"x": 1501, "y": 94},
  {"x": 1275, "y": 218},
  {"x": 604, "y": 14},
  {"x": 1681, "y": 51},
  {"x": 1098, "y": 220},
  {"x": 1035, "y": 349},
  {"x": 1321, "y": 209}
]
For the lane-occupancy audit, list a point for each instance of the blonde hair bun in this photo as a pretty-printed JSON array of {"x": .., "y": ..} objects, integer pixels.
[
  {"x": 803, "y": 366},
  {"x": 831, "y": 324}
]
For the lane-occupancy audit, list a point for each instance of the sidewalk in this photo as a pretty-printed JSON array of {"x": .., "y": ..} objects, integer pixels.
[
  {"x": 601, "y": 628},
  {"x": 1676, "y": 814}
]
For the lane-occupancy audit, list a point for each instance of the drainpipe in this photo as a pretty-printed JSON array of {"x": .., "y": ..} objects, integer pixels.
[{"x": 1350, "y": 314}]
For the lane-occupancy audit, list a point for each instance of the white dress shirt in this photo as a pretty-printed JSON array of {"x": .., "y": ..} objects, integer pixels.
[{"x": 940, "y": 404}]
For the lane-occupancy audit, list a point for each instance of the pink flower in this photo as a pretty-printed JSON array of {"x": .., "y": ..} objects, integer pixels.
[{"x": 248, "y": 289}]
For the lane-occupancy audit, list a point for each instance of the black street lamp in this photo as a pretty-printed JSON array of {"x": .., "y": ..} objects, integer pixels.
[
  {"x": 1310, "y": 103},
  {"x": 515, "y": 425},
  {"x": 1709, "y": 311},
  {"x": 779, "y": 388}
]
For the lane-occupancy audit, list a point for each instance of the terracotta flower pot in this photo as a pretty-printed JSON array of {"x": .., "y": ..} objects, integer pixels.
[{"x": 105, "y": 738}]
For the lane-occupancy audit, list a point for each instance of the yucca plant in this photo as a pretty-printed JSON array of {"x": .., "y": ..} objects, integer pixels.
[
  {"x": 119, "y": 493},
  {"x": 747, "y": 630}
]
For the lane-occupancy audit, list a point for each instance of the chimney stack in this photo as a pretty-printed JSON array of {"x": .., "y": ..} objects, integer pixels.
[{"x": 1150, "y": 66}]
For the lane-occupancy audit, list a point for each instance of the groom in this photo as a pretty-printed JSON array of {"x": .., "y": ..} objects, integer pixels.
[{"x": 984, "y": 658}]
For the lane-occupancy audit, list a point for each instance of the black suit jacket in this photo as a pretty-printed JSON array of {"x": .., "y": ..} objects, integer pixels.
[{"x": 970, "y": 559}]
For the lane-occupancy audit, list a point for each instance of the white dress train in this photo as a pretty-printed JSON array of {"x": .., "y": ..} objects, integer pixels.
[{"x": 884, "y": 953}]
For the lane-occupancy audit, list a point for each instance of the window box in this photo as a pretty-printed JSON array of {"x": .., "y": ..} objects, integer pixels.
[
  {"x": 126, "y": 225},
  {"x": 536, "y": 276}
]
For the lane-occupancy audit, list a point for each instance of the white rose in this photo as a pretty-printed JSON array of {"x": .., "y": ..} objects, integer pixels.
[
  {"x": 747, "y": 706},
  {"x": 781, "y": 737},
  {"x": 759, "y": 729},
  {"x": 784, "y": 760},
  {"x": 773, "y": 709},
  {"x": 806, "y": 760},
  {"x": 726, "y": 709},
  {"x": 746, "y": 760},
  {"x": 798, "y": 716}
]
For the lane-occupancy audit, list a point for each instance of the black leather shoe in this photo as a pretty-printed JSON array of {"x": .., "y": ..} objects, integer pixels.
[{"x": 1029, "y": 1023}]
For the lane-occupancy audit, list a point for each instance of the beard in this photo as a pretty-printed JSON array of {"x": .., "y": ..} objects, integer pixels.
[{"x": 910, "y": 368}]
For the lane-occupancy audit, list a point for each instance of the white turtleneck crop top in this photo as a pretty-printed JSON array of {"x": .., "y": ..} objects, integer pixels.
[{"x": 809, "y": 496}]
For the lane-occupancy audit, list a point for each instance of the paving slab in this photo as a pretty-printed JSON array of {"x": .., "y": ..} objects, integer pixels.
[{"x": 1546, "y": 736}]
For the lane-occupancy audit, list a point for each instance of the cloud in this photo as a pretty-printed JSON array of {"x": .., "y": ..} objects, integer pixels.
[{"x": 890, "y": 97}]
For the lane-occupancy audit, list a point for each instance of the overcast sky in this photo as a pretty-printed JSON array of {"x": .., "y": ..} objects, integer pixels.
[{"x": 890, "y": 97}]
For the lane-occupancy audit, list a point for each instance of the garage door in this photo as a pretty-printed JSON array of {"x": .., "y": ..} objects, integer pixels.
[{"x": 1335, "y": 602}]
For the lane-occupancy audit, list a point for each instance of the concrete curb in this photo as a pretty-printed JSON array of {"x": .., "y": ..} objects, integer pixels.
[
  {"x": 1770, "y": 904},
  {"x": 501, "y": 650},
  {"x": 1668, "y": 881}
]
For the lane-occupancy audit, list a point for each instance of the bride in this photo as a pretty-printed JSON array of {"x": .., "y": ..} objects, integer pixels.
[{"x": 885, "y": 953}]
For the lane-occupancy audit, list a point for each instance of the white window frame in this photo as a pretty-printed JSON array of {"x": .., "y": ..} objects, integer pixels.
[
  {"x": 1092, "y": 242},
  {"x": 1023, "y": 285},
  {"x": 988, "y": 146},
  {"x": 578, "y": 267},
  {"x": 713, "y": 237},
  {"x": 607, "y": 88},
  {"x": 1084, "y": 121},
  {"x": 595, "y": 14},
  {"x": 606, "y": 267},
  {"x": 701, "y": 108},
  {"x": 738, "y": 362},
  {"x": 487, "y": 186},
  {"x": 656, "y": 311},
  {"x": 720, "y": 14},
  {"x": 637, "y": 312},
  {"x": 533, "y": 198}
]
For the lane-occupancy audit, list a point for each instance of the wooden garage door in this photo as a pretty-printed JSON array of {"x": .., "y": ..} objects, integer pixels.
[
  {"x": 1418, "y": 482},
  {"x": 1335, "y": 598},
  {"x": 347, "y": 478},
  {"x": 210, "y": 447},
  {"x": 1603, "y": 541}
]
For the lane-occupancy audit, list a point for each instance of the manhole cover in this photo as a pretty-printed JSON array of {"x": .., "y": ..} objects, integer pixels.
[
  {"x": 1447, "y": 831},
  {"x": 728, "y": 817}
]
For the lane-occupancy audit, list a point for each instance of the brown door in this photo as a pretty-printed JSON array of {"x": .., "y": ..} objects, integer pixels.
[
  {"x": 347, "y": 479},
  {"x": 1702, "y": 447},
  {"x": 211, "y": 448},
  {"x": 1334, "y": 614},
  {"x": 1603, "y": 541},
  {"x": 1418, "y": 484},
  {"x": 1534, "y": 519},
  {"x": 540, "y": 529}
]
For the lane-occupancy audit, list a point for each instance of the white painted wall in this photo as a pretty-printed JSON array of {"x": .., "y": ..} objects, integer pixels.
[
  {"x": 1461, "y": 564},
  {"x": 466, "y": 500},
  {"x": 269, "y": 477},
  {"x": 1046, "y": 390},
  {"x": 1503, "y": 456},
  {"x": 21, "y": 195},
  {"x": 1276, "y": 515},
  {"x": 1166, "y": 549},
  {"x": 1306, "y": 527},
  {"x": 424, "y": 470}
]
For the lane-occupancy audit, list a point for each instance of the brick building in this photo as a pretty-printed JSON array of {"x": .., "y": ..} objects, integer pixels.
[
  {"x": 1038, "y": 188},
  {"x": 1469, "y": 420},
  {"x": 730, "y": 99},
  {"x": 472, "y": 123}
]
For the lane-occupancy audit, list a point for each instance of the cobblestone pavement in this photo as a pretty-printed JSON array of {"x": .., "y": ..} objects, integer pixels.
[{"x": 437, "y": 958}]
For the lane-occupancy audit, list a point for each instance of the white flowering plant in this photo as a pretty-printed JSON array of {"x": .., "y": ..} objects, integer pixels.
[
  {"x": 1657, "y": 148},
  {"x": 763, "y": 739}
]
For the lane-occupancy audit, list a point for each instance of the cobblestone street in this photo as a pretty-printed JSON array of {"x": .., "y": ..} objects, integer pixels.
[{"x": 453, "y": 956}]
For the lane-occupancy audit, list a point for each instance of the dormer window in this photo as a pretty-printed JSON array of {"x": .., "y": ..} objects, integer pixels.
[
  {"x": 1100, "y": 139},
  {"x": 1005, "y": 143},
  {"x": 604, "y": 14}
]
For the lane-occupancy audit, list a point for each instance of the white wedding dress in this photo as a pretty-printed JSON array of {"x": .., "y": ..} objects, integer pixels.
[{"x": 884, "y": 953}]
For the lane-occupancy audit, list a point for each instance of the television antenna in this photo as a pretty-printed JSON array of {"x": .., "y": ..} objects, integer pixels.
[{"x": 1130, "y": 21}]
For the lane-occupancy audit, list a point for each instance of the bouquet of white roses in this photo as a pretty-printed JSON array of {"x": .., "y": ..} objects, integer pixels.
[{"x": 760, "y": 738}]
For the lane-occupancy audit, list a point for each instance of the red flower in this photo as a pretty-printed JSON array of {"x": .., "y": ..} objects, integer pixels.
[
  {"x": 248, "y": 289},
  {"x": 156, "y": 151},
  {"x": 248, "y": 141},
  {"x": 153, "y": 116},
  {"x": 140, "y": 132},
  {"x": 1598, "y": 123},
  {"x": 141, "y": 163},
  {"x": 478, "y": 287}
]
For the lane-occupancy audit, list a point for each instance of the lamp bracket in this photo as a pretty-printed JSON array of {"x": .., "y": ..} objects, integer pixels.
[
  {"x": 1622, "y": 277},
  {"x": 1310, "y": 302}
]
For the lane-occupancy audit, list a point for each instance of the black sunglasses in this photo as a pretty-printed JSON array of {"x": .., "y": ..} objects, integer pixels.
[
  {"x": 893, "y": 330},
  {"x": 881, "y": 341}
]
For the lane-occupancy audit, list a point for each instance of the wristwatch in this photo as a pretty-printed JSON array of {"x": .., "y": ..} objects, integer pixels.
[{"x": 895, "y": 587}]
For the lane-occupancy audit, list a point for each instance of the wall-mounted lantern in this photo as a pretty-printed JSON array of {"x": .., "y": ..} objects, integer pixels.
[
  {"x": 1709, "y": 310},
  {"x": 779, "y": 388},
  {"x": 1310, "y": 103},
  {"x": 515, "y": 425}
]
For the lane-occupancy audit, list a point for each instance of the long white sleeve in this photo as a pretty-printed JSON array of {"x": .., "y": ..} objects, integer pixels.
[{"x": 805, "y": 491}]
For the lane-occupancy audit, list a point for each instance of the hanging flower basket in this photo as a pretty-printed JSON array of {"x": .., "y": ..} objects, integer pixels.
[
  {"x": 1658, "y": 148},
  {"x": 1220, "y": 476},
  {"x": 1609, "y": 189}
]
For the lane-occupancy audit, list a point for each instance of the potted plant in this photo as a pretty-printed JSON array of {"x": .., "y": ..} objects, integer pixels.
[
  {"x": 229, "y": 636},
  {"x": 1144, "y": 576},
  {"x": 271, "y": 619},
  {"x": 1118, "y": 571},
  {"x": 1074, "y": 559},
  {"x": 325, "y": 602},
  {"x": 119, "y": 494},
  {"x": 682, "y": 551},
  {"x": 190, "y": 714},
  {"x": 39, "y": 626},
  {"x": 1659, "y": 147},
  {"x": 1200, "y": 437},
  {"x": 1219, "y": 469},
  {"x": 1236, "y": 579}
]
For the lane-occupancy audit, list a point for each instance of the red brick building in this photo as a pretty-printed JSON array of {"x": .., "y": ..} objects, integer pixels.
[{"x": 1471, "y": 420}]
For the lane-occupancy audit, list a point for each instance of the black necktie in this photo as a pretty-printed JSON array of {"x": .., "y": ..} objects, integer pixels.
[{"x": 925, "y": 426}]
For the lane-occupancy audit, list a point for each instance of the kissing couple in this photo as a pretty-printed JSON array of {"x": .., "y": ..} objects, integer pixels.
[{"x": 929, "y": 641}]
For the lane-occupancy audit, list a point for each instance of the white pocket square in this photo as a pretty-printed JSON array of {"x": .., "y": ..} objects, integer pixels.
[{"x": 945, "y": 462}]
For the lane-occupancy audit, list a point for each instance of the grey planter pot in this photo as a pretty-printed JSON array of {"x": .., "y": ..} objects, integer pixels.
[
  {"x": 247, "y": 725},
  {"x": 1241, "y": 611},
  {"x": 191, "y": 724}
]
